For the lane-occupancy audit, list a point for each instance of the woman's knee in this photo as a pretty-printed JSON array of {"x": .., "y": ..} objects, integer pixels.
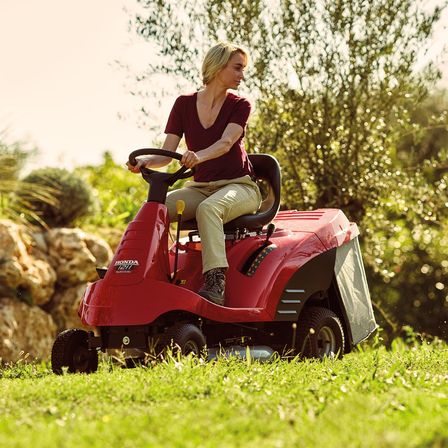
[
  {"x": 207, "y": 210},
  {"x": 171, "y": 206}
]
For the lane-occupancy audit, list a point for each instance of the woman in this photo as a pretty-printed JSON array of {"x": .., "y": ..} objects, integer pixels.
[{"x": 213, "y": 121}]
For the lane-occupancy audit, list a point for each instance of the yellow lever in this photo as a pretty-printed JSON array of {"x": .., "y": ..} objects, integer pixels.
[{"x": 180, "y": 206}]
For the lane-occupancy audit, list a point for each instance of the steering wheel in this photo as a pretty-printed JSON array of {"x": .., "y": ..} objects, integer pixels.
[{"x": 182, "y": 173}]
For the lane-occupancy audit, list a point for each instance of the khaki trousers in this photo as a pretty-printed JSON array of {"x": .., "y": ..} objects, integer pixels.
[{"x": 213, "y": 204}]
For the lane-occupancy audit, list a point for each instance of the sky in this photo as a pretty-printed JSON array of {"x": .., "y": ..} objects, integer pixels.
[
  {"x": 59, "y": 86},
  {"x": 60, "y": 89}
]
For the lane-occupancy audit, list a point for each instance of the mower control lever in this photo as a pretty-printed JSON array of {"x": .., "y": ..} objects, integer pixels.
[
  {"x": 269, "y": 232},
  {"x": 180, "y": 207}
]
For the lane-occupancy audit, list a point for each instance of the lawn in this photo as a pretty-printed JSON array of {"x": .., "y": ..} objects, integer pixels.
[{"x": 371, "y": 398}]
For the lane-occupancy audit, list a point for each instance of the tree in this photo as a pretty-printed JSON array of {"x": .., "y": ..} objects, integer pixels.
[
  {"x": 335, "y": 84},
  {"x": 428, "y": 136},
  {"x": 353, "y": 66}
]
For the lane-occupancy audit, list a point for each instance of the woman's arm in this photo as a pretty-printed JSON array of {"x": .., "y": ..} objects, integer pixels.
[
  {"x": 231, "y": 134},
  {"x": 170, "y": 144}
]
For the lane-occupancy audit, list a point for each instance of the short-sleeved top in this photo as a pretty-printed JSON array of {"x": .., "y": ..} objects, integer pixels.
[{"x": 184, "y": 120}]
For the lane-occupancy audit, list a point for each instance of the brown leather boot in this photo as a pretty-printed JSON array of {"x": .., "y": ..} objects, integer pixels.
[{"x": 214, "y": 285}]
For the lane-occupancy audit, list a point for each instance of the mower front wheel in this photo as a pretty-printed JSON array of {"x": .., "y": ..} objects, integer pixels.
[
  {"x": 71, "y": 350},
  {"x": 185, "y": 338},
  {"x": 320, "y": 334}
]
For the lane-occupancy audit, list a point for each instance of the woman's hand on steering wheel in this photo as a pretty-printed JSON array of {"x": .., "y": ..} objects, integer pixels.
[
  {"x": 190, "y": 159},
  {"x": 141, "y": 163},
  {"x": 135, "y": 165}
]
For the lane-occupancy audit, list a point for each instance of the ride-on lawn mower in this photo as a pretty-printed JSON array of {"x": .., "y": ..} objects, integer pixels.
[{"x": 295, "y": 284}]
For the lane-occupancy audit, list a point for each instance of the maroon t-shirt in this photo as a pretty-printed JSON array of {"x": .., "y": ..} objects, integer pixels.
[{"x": 184, "y": 119}]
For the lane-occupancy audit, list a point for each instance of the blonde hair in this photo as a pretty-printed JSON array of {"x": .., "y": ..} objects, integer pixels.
[{"x": 218, "y": 57}]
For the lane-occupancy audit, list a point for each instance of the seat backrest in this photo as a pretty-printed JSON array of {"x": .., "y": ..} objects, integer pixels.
[{"x": 267, "y": 173}]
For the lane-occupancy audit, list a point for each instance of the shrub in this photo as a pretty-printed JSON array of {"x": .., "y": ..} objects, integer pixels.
[
  {"x": 13, "y": 157},
  {"x": 73, "y": 197},
  {"x": 119, "y": 194}
]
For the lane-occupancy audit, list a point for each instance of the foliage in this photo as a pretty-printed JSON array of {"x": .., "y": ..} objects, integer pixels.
[
  {"x": 399, "y": 396},
  {"x": 406, "y": 255},
  {"x": 338, "y": 102},
  {"x": 427, "y": 136},
  {"x": 72, "y": 193},
  {"x": 406, "y": 236},
  {"x": 118, "y": 193},
  {"x": 13, "y": 157}
]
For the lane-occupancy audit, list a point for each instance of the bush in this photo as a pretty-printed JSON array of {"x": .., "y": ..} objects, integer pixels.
[
  {"x": 119, "y": 194},
  {"x": 13, "y": 157},
  {"x": 73, "y": 197}
]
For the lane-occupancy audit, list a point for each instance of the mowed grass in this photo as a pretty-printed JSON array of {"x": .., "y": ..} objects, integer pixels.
[{"x": 371, "y": 398}]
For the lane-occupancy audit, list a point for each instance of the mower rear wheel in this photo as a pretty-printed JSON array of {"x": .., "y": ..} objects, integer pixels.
[
  {"x": 319, "y": 334},
  {"x": 185, "y": 338},
  {"x": 71, "y": 350}
]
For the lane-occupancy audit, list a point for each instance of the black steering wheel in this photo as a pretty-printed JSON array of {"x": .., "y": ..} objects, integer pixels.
[{"x": 182, "y": 173}]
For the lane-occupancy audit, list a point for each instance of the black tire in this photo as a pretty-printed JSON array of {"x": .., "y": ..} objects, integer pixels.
[
  {"x": 70, "y": 350},
  {"x": 185, "y": 339},
  {"x": 319, "y": 334}
]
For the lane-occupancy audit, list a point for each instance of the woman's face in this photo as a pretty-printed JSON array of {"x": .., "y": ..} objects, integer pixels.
[{"x": 233, "y": 73}]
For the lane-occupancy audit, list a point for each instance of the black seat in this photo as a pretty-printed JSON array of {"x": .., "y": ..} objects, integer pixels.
[{"x": 267, "y": 171}]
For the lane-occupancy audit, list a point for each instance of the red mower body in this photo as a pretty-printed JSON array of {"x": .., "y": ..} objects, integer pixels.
[{"x": 136, "y": 290}]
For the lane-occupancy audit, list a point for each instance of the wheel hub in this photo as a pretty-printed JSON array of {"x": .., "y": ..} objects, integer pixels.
[{"x": 326, "y": 342}]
